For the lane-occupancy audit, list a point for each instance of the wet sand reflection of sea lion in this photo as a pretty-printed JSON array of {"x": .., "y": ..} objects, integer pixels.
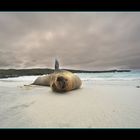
[{"x": 60, "y": 80}]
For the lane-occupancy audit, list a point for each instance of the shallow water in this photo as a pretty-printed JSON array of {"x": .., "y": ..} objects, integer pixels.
[{"x": 111, "y": 76}]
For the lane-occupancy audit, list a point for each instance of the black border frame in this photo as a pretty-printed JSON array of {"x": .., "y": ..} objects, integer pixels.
[{"x": 69, "y": 5}]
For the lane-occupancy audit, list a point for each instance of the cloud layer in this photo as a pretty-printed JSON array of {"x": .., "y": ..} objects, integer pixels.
[{"x": 81, "y": 40}]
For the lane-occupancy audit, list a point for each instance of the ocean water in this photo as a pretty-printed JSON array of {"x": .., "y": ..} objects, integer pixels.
[
  {"x": 133, "y": 75},
  {"x": 88, "y": 79},
  {"x": 109, "y": 76}
]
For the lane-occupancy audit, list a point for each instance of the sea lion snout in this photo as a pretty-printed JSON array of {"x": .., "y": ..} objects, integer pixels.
[
  {"x": 62, "y": 82},
  {"x": 59, "y": 84}
]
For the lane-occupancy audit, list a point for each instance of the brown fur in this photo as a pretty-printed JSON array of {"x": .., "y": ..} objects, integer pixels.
[
  {"x": 65, "y": 81},
  {"x": 43, "y": 80},
  {"x": 60, "y": 81}
]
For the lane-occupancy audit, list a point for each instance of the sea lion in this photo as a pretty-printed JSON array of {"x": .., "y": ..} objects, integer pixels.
[
  {"x": 63, "y": 81},
  {"x": 60, "y": 80},
  {"x": 42, "y": 80}
]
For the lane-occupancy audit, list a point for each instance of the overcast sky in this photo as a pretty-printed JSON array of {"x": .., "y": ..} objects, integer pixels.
[{"x": 82, "y": 40}]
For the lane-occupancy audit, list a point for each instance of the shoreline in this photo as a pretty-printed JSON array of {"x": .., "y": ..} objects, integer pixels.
[{"x": 6, "y": 73}]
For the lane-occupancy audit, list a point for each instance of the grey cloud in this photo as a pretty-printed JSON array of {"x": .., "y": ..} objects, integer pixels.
[{"x": 79, "y": 40}]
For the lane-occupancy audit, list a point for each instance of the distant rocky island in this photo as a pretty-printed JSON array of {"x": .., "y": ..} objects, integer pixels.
[{"x": 5, "y": 73}]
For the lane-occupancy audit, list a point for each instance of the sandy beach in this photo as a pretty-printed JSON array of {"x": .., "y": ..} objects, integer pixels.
[
  {"x": 101, "y": 48},
  {"x": 98, "y": 104}
]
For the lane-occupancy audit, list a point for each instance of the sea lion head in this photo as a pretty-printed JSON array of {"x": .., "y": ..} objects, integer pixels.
[{"x": 60, "y": 84}]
